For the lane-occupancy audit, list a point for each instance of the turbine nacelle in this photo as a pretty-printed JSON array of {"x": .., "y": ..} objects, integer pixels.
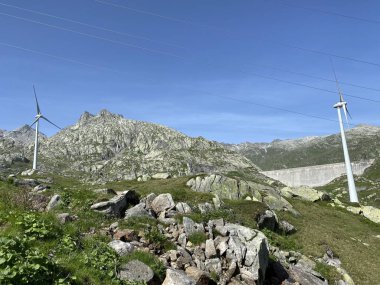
[{"x": 340, "y": 104}]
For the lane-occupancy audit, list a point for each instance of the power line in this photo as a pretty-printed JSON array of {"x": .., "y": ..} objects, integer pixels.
[
  {"x": 317, "y": 77},
  {"x": 189, "y": 89},
  {"x": 229, "y": 32},
  {"x": 148, "y": 39},
  {"x": 330, "y": 13},
  {"x": 156, "y": 15},
  {"x": 92, "y": 36},
  {"x": 89, "y": 25},
  {"x": 60, "y": 57},
  {"x": 180, "y": 57}
]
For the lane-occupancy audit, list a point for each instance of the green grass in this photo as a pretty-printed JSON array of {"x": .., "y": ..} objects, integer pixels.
[
  {"x": 321, "y": 224},
  {"x": 197, "y": 238}
]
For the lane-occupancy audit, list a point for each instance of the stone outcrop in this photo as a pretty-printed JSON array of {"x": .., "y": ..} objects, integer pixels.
[
  {"x": 305, "y": 193},
  {"x": 117, "y": 205},
  {"x": 136, "y": 270},
  {"x": 225, "y": 187},
  {"x": 371, "y": 213}
]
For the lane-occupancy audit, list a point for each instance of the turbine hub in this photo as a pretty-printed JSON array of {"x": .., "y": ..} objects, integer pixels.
[{"x": 340, "y": 104}]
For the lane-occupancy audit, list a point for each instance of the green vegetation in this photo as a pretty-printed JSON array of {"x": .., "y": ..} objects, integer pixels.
[
  {"x": 321, "y": 225},
  {"x": 197, "y": 238}
]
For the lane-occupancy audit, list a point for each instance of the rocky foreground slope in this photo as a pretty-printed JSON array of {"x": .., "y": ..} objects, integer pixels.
[{"x": 363, "y": 142}]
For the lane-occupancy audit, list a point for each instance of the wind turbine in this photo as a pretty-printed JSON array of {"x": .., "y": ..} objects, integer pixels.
[
  {"x": 37, "y": 122},
  {"x": 350, "y": 178}
]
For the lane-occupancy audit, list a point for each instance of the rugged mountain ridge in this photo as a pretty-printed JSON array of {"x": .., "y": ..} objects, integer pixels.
[
  {"x": 363, "y": 143},
  {"x": 109, "y": 147}
]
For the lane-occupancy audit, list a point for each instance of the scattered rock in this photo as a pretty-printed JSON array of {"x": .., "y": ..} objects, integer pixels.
[
  {"x": 267, "y": 220},
  {"x": 191, "y": 227},
  {"x": 199, "y": 276},
  {"x": 137, "y": 211},
  {"x": 54, "y": 201},
  {"x": 163, "y": 175},
  {"x": 122, "y": 248},
  {"x": 136, "y": 270},
  {"x": 287, "y": 227},
  {"x": 29, "y": 172},
  {"x": 305, "y": 193},
  {"x": 183, "y": 208},
  {"x": 177, "y": 277},
  {"x": 66, "y": 217},
  {"x": 40, "y": 188},
  {"x": 162, "y": 202},
  {"x": 117, "y": 205}
]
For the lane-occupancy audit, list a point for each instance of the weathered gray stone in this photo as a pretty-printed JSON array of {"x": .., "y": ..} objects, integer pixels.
[
  {"x": 122, "y": 248},
  {"x": 286, "y": 227},
  {"x": 117, "y": 205},
  {"x": 162, "y": 202},
  {"x": 136, "y": 270},
  {"x": 214, "y": 265},
  {"x": 199, "y": 276},
  {"x": 137, "y": 211},
  {"x": 66, "y": 217},
  {"x": 305, "y": 193},
  {"x": 162, "y": 175},
  {"x": 191, "y": 227},
  {"x": 183, "y": 208},
  {"x": 54, "y": 201},
  {"x": 177, "y": 277},
  {"x": 224, "y": 187},
  {"x": 267, "y": 220},
  {"x": 205, "y": 208},
  {"x": 257, "y": 253},
  {"x": 40, "y": 188},
  {"x": 210, "y": 250}
]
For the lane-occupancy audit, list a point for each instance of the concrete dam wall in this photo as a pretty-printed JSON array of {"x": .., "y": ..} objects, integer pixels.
[{"x": 317, "y": 175}]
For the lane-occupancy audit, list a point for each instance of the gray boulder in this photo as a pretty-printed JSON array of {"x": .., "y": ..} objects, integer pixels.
[
  {"x": 136, "y": 270},
  {"x": 117, "y": 205},
  {"x": 122, "y": 248},
  {"x": 54, "y": 201},
  {"x": 267, "y": 220},
  {"x": 162, "y": 202},
  {"x": 137, "y": 211},
  {"x": 255, "y": 259},
  {"x": 183, "y": 208},
  {"x": 286, "y": 227},
  {"x": 177, "y": 277},
  {"x": 162, "y": 175},
  {"x": 191, "y": 227}
]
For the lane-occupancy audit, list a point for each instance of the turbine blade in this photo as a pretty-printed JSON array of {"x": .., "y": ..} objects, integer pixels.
[
  {"x": 336, "y": 82},
  {"x": 345, "y": 114},
  {"x": 35, "y": 121},
  {"x": 50, "y": 122},
  {"x": 35, "y": 96},
  {"x": 348, "y": 113}
]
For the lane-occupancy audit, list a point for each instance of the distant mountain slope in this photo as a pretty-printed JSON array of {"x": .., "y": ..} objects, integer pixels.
[
  {"x": 363, "y": 143},
  {"x": 15, "y": 145},
  {"x": 108, "y": 146}
]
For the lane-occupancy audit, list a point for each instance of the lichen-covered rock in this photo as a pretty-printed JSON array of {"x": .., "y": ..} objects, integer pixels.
[
  {"x": 137, "y": 211},
  {"x": 162, "y": 202},
  {"x": 223, "y": 186},
  {"x": 136, "y": 270},
  {"x": 54, "y": 201},
  {"x": 122, "y": 248},
  {"x": 305, "y": 193},
  {"x": 177, "y": 277},
  {"x": 250, "y": 247},
  {"x": 117, "y": 205}
]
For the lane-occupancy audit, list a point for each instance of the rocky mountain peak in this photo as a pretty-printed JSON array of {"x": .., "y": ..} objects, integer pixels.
[
  {"x": 23, "y": 135},
  {"x": 85, "y": 117},
  {"x": 107, "y": 114}
]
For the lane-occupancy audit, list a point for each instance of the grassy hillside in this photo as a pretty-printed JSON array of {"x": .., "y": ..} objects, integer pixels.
[{"x": 76, "y": 252}]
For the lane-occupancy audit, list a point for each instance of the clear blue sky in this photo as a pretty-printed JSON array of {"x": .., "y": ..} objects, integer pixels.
[{"x": 184, "y": 58}]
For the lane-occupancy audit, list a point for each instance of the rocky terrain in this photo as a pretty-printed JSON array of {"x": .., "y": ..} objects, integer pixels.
[
  {"x": 118, "y": 201},
  {"x": 136, "y": 237},
  {"x": 363, "y": 142},
  {"x": 108, "y": 147}
]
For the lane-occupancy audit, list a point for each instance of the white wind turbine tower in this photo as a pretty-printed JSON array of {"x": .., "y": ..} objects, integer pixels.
[
  {"x": 350, "y": 178},
  {"x": 37, "y": 122}
]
